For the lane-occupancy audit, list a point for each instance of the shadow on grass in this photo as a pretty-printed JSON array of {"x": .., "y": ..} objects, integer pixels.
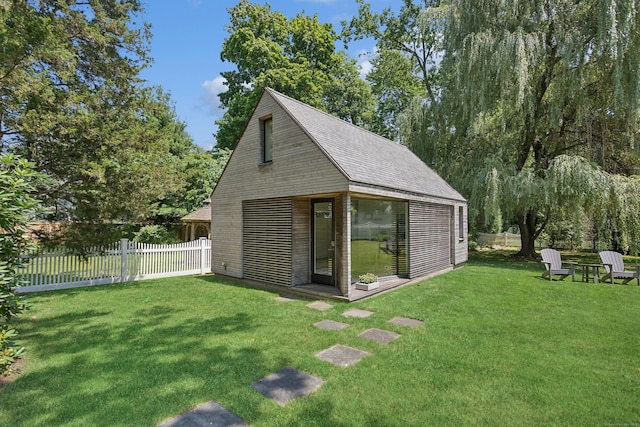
[
  {"x": 502, "y": 259},
  {"x": 94, "y": 365}
]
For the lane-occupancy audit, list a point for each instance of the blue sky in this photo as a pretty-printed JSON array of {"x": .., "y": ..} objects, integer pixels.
[{"x": 186, "y": 44}]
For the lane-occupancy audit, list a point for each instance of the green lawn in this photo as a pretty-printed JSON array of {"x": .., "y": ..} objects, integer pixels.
[{"x": 500, "y": 346}]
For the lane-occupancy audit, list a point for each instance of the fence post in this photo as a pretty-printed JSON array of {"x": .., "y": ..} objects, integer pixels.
[
  {"x": 124, "y": 248},
  {"x": 202, "y": 254}
]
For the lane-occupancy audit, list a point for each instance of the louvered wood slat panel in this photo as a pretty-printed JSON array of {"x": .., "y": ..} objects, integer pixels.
[
  {"x": 301, "y": 241},
  {"x": 266, "y": 240},
  {"x": 430, "y": 238}
]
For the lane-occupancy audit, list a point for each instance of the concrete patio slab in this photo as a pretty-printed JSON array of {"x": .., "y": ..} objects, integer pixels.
[
  {"x": 319, "y": 305},
  {"x": 208, "y": 414},
  {"x": 342, "y": 355},
  {"x": 357, "y": 313},
  {"x": 287, "y": 384},
  {"x": 405, "y": 321},
  {"x": 330, "y": 325},
  {"x": 379, "y": 335}
]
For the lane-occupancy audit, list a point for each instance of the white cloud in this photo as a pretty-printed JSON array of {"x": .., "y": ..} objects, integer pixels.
[
  {"x": 365, "y": 67},
  {"x": 210, "y": 97},
  {"x": 364, "y": 61}
]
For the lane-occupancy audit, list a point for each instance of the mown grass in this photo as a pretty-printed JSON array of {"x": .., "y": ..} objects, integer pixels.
[{"x": 500, "y": 346}]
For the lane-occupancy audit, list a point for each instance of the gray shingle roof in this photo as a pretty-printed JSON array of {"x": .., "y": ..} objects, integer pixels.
[{"x": 364, "y": 157}]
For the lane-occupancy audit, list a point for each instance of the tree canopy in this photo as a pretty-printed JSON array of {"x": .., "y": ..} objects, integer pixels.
[
  {"x": 295, "y": 56},
  {"x": 519, "y": 97},
  {"x": 536, "y": 81},
  {"x": 73, "y": 103}
]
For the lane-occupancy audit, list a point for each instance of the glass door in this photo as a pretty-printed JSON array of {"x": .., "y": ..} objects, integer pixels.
[{"x": 323, "y": 243}]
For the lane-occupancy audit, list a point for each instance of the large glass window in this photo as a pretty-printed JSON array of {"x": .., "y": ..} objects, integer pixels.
[{"x": 378, "y": 237}]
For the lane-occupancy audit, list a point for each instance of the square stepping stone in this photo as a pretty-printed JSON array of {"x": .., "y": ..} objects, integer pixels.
[
  {"x": 330, "y": 325},
  {"x": 357, "y": 313},
  {"x": 342, "y": 355},
  {"x": 319, "y": 305},
  {"x": 284, "y": 299},
  {"x": 287, "y": 384},
  {"x": 207, "y": 414},
  {"x": 405, "y": 321},
  {"x": 379, "y": 335}
]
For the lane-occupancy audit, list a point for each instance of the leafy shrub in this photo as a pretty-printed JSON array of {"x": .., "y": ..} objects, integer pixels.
[
  {"x": 17, "y": 182},
  {"x": 368, "y": 278},
  {"x": 473, "y": 245},
  {"x": 156, "y": 234}
]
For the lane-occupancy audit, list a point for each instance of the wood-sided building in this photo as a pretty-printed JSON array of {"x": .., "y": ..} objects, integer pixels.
[{"x": 307, "y": 198}]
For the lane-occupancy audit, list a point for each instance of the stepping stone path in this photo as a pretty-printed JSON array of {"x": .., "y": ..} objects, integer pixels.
[
  {"x": 287, "y": 384},
  {"x": 342, "y": 355},
  {"x": 379, "y": 335},
  {"x": 405, "y": 321},
  {"x": 330, "y": 325},
  {"x": 357, "y": 313},
  {"x": 319, "y": 305},
  {"x": 208, "y": 414}
]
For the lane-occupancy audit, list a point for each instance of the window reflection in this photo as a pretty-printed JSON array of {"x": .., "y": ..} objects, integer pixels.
[{"x": 378, "y": 237}]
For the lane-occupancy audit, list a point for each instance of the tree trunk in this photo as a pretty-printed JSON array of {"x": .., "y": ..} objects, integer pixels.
[{"x": 528, "y": 235}]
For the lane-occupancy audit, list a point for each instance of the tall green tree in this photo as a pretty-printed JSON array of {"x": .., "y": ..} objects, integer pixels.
[
  {"x": 536, "y": 80},
  {"x": 17, "y": 206},
  {"x": 295, "y": 56},
  {"x": 200, "y": 171},
  {"x": 405, "y": 76},
  {"x": 72, "y": 102}
]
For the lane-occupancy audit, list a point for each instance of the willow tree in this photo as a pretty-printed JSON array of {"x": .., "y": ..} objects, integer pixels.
[{"x": 530, "y": 81}]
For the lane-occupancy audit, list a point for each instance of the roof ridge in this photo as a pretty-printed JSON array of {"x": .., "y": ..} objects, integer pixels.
[
  {"x": 363, "y": 156},
  {"x": 331, "y": 116}
]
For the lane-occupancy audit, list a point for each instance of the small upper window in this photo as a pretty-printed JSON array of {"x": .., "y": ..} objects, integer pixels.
[
  {"x": 460, "y": 223},
  {"x": 267, "y": 143}
]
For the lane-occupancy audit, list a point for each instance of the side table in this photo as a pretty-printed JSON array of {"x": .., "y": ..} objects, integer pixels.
[{"x": 592, "y": 270}]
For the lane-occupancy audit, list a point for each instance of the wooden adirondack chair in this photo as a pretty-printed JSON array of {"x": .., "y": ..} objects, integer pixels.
[
  {"x": 614, "y": 267},
  {"x": 554, "y": 266}
]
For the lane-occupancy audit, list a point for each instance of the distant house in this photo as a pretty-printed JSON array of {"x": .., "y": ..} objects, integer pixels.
[
  {"x": 197, "y": 223},
  {"x": 310, "y": 202}
]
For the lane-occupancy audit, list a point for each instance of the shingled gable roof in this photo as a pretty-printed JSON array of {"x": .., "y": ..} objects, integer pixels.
[
  {"x": 364, "y": 157},
  {"x": 201, "y": 214}
]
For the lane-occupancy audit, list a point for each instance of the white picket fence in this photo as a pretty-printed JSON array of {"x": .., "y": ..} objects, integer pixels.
[{"x": 120, "y": 262}]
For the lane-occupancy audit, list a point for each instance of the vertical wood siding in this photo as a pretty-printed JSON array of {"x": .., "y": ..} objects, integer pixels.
[
  {"x": 429, "y": 238},
  {"x": 266, "y": 241},
  {"x": 301, "y": 241}
]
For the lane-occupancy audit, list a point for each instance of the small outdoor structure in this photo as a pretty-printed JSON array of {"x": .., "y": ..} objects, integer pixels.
[
  {"x": 307, "y": 199},
  {"x": 197, "y": 223}
]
